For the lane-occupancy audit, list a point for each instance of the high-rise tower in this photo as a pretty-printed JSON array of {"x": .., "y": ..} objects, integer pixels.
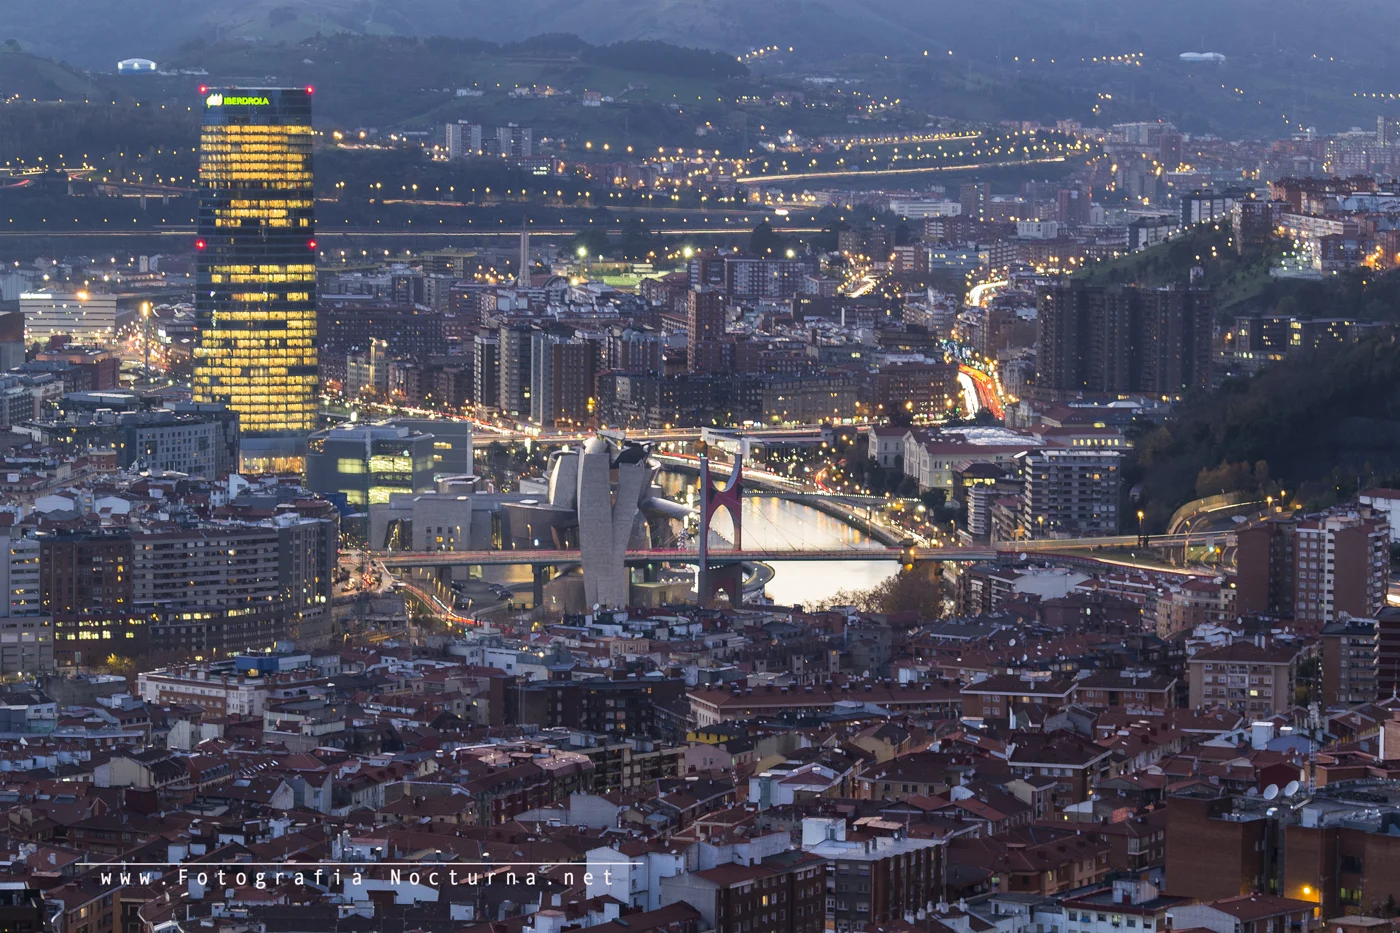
[{"x": 255, "y": 297}]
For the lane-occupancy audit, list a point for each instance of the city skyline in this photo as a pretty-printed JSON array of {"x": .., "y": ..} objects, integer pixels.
[{"x": 657, "y": 467}]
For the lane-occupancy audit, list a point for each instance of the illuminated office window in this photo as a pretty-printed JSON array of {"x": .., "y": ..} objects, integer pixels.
[{"x": 255, "y": 293}]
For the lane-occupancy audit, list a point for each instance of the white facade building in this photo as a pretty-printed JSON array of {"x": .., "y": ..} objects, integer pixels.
[{"x": 85, "y": 317}]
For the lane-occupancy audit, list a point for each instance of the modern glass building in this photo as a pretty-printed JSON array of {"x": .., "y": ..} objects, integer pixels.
[
  {"x": 255, "y": 295},
  {"x": 368, "y": 463}
]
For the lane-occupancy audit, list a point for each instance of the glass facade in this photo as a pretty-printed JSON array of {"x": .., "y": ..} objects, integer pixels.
[
  {"x": 255, "y": 295},
  {"x": 368, "y": 463}
]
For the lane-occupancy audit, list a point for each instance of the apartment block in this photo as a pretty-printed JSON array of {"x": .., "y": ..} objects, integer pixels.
[
  {"x": 1316, "y": 569},
  {"x": 1070, "y": 493},
  {"x": 1256, "y": 681},
  {"x": 1349, "y": 662},
  {"x": 1110, "y": 340}
]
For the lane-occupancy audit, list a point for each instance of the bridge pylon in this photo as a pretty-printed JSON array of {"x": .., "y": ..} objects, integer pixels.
[
  {"x": 910, "y": 563},
  {"x": 714, "y": 576}
]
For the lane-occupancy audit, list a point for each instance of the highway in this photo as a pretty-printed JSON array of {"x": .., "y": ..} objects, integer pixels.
[
  {"x": 922, "y": 170},
  {"x": 410, "y": 230},
  {"x": 676, "y": 435},
  {"x": 751, "y": 473},
  {"x": 979, "y": 292},
  {"x": 549, "y": 558},
  {"x": 553, "y": 557},
  {"x": 434, "y": 604},
  {"x": 988, "y": 391},
  {"x": 507, "y": 434},
  {"x": 972, "y": 404}
]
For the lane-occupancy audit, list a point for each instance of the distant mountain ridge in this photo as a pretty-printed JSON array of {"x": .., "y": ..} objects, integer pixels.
[{"x": 96, "y": 35}]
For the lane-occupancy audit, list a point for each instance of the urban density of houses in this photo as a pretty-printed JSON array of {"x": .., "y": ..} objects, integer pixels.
[{"x": 460, "y": 484}]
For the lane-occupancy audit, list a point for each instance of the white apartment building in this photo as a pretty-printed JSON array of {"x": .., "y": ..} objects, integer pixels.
[{"x": 1070, "y": 493}]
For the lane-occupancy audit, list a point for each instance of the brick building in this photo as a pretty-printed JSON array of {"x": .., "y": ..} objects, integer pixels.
[
  {"x": 1132, "y": 688},
  {"x": 85, "y": 583},
  {"x": 1349, "y": 662},
  {"x": 1111, "y": 340},
  {"x": 1332, "y": 852},
  {"x": 1388, "y": 649},
  {"x": 783, "y": 893},
  {"x": 1001, "y": 697},
  {"x": 1258, "y": 682},
  {"x": 1211, "y": 853},
  {"x": 1316, "y": 568},
  {"x": 876, "y": 878},
  {"x": 622, "y": 707},
  {"x": 1194, "y": 602},
  {"x": 925, "y": 390},
  {"x": 1342, "y": 566},
  {"x": 1036, "y": 860},
  {"x": 705, "y": 313},
  {"x": 1075, "y": 763},
  {"x": 712, "y": 704}
]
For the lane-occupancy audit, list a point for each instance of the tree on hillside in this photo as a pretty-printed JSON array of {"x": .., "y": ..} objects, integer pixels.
[
  {"x": 765, "y": 241},
  {"x": 1323, "y": 421}
]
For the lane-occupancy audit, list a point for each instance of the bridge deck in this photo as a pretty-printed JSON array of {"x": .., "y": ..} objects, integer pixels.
[
  {"x": 657, "y": 555},
  {"x": 689, "y": 555}
]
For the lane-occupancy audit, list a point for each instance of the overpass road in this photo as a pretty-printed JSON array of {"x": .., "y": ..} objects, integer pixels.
[{"x": 555, "y": 557}]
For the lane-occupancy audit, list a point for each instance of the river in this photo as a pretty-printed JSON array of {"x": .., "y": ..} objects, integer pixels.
[
  {"x": 771, "y": 522},
  {"x": 781, "y": 523}
]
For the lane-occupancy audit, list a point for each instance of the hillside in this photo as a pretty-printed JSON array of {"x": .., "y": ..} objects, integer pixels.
[
  {"x": 1315, "y": 426},
  {"x": 28, "y": 76},
  {"x": 1239, "y": 282},
  {"x": 1089, "y": 60},
  {"x": 1243, "y": 285},
  {"x": 73, "y": 30},
  {"x": 1024, "y": 59}
]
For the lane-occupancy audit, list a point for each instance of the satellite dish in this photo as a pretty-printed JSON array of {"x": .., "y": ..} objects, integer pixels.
[
  {"x": 1022, "y": 556},
  {"x": 1011, "y": 643},
  {"x": 1291, "y": 788},
  {"x": 1252, "y": 792},
  {"x": 1271, "y": 792}
]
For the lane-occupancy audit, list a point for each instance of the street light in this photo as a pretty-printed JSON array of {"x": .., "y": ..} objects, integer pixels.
[{"x": 146, "y": 339}]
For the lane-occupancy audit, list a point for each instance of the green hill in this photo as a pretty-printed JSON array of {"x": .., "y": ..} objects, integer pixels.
[
  {"x": 27, "y": 76},
  {"x": 1317, "y": 426},
  {"x": 1243, "y": 284},
  {"x": 1239, "y": 281}
]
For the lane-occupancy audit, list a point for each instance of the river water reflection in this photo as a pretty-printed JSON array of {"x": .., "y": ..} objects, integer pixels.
[{"x": 770, "y": 522}]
